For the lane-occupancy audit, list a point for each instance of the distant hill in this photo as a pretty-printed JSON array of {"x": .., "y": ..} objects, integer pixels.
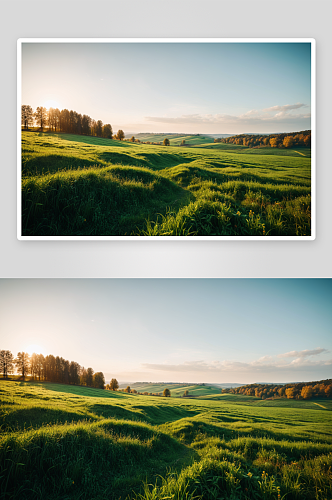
[
  {"x": 178, "y": 389},
  {"x": 174, "y": 139}
]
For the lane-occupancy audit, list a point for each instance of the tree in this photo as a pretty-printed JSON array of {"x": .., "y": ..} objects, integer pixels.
[
  {"x": 99, "y": 380},
  {"x": 186, "y": 392},
  {"x": 290, "y": 392},
  {"x": 99, "y": 128},
  {"x": 288, "y": 141},
  {"x": 27, "y": 116},
  {"x": 86, "y": 125},
  {"x": 64, "y": 120},
  {"x": 127, "y": 389},
  {"x": 166, "y": 142},
  {"x": 114, "y": 384},
  {"x": 281, "y": 391},
  {"x": 6, "y": 363},
  {"x": 83, "y": 376},
  {"x": 328, "y": 391},
  {"x": 183, "y": 142},
  {"x": 132, "y": 139},
  {"x": 89, "y": 377},
  {"x": 107, "y": 131},
  {"x": 41, "y": 116},
  {"x": 33, "y": 365},
  {"x": 74, "y": 373},
  {"x": 51, "y": 118},
  {"x": 22, "y": 363},
  {"x": 167, "y": 393},
  {"x": 307, "y": 141},
  {"x": 120, "y": 135},
  {"x": 306, "y": 392},
  {"x": 274, "y": 142}
]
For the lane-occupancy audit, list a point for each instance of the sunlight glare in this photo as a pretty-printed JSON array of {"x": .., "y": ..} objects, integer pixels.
[
  {"x": 35, "y": 348},
  {"x": 51, "y": 104}
]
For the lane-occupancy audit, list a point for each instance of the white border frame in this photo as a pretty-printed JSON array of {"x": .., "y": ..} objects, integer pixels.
[{"x": 312, "y": 41}]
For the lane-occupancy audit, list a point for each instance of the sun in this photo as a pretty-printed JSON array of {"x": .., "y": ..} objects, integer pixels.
[
  {"x": 50, "y": 103},
  {"x": 34, "y": 348}
]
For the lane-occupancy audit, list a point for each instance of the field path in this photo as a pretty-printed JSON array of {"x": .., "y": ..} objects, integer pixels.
[
  {"x": 300, "y": 153},
  {"x": 320, "y": 406}
]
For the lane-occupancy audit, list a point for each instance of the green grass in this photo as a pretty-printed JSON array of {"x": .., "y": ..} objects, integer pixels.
[
  {"x": 177, "y": 390},
  {"x": 296, "y": 151},
  {"x": 60, "y": 441},
  {"x": 85, "y": 186},
  {"x": 176, "y": 139}
]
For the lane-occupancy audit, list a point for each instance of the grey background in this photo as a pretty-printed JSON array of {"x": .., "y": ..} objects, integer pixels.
[{"x": 153, "y": 18}]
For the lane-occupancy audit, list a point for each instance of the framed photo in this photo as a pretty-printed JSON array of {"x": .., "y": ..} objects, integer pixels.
[{"x": 166, "y": 139}]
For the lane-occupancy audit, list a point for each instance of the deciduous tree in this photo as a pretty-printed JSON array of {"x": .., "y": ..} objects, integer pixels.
[
  {"x": 107, "y": 131},
  {"x": 89, "y": 377},
  {"x": 120, "y": 135},
  {"x": 306, "y": 392},
  {"x": 41, "y": 116},
  {"x": 6, "y": 363},
  {"x": 22, "y": 363},
  {"x": 99, "y": 380},
  {"x": 27, "y": 116},
  {"x": 167, "y": 393},
  {"x": 99, "y": 128},
  {"x": 288, "y": 141},
  {"x": 290, "y": 392},
  {"x": 166, "y": 142},
  {"x": 114, "y": 384}
]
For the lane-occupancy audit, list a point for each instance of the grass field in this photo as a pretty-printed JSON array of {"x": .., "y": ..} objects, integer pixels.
[
  {"x": 176, "y": 139},
  {"x": 85, "y": 186},
  {"x": 177, "y": 390},
  {"x": 68, "y": 442}
]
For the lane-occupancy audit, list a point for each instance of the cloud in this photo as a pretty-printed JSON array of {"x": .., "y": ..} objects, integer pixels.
[
  {"x": 272, "y": 115},
  {"x": 302, "y": 354},
  {"x": 263, "y": 364},
  {"x": 286, "y": 107}
]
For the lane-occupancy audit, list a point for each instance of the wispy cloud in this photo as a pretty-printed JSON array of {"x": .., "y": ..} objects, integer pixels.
[
  {"x": 264, "y": 364},
  {"x": 302, "y": 354},
  {"x": 286, "y": 107},
  {"x": 271, "y": 115}
]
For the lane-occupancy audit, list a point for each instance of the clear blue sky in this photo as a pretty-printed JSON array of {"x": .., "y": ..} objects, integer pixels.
[
  {"x": 174, "y": 87},
  {"x": 180, "y": 330}
]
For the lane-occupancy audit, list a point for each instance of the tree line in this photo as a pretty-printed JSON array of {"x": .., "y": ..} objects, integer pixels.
[
  {"x": 164, "y": 143},
  {"x": 114, "y": 386},
  {"x": 285, "y": 140},
  {"x": 57, "y": 369},
  {"x": 49, "y": 368},
  {"x": 67, "y": 121},
  {"x": 302, "y": 390}
]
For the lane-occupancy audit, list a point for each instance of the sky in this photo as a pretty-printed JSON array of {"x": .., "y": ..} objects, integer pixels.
[
  {"x": 194, "y": 88},
  {"x": 175, "y": 330}
]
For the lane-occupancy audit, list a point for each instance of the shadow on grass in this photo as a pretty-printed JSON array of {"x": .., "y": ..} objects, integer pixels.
[{"x": 24, "y": 418}]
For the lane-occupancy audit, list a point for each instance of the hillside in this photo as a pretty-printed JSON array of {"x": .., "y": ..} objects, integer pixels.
[
  {"x": 61, "y": 441},
  {"x": 74, "y": 185},
  {"x": 177, "y": 390},
  {"x": 175, "y": 139}
]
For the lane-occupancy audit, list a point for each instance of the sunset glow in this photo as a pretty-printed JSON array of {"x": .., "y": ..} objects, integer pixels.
[
  {"x": 219, "y": 330},
  {"x": 219, "y": 87},
  {"x": 51, "y": 104},
  {"x": 34, "y": 348}
]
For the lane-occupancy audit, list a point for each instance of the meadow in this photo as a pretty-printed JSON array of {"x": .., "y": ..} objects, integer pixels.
[
  {"x": 74, "y": 185},
  {"x": 71, "y": 442},
  {"x": 177, "y": 390}
]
